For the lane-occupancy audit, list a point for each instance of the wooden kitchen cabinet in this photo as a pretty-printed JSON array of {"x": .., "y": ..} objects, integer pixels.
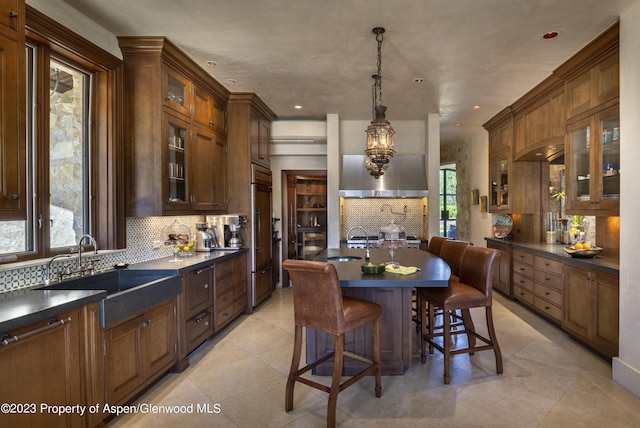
[
  {"x": 231, "y": 290},
  {"x": 138, "y": 350},
  {"x": 592, "y": 308},
  {"x": 177, "y": 159},
  {"x": 12, "y": 111},
  {"x": 501, "y": 280},
  {"x": 538, "y": 283},
  {"x": 593, "y": 164},
  {"x": 260, "y": 139},
  {"x": 311, "y": 215},
  {"x": 43, "y": 366}
]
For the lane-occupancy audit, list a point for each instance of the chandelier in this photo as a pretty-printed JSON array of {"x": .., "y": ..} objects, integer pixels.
[{"x": 380, "y": 144}]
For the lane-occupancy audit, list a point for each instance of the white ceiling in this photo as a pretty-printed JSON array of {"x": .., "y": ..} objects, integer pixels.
[{"x": 321, "y": 54}]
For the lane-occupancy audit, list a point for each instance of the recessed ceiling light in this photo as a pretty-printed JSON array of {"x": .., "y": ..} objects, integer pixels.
[
  {"x": 297, "y": 107},
  {"x": 550, "y": 35},
  {"x": 232, "y": 81},
  {"x": 212, "y": 63},
  {"x": 476, "y": 107},
  {"x": 418, "y": 80},
  {"x": 458, "y": 125}
]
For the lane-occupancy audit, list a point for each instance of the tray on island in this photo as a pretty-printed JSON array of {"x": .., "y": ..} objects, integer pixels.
[{"x": 581, "y": 253}]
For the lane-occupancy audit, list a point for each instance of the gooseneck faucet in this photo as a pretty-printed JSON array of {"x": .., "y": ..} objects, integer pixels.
[
  {"x": 95, "y": 249},
  {"x": 47, "y": 271},
  {"x": 366, "y": 234}
]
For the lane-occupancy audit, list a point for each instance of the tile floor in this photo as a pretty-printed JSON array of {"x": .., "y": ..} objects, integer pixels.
[{"x": 548, "y": 381}]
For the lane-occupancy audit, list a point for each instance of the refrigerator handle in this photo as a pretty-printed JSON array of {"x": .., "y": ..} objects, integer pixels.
[{"x": 258, "y": 228}]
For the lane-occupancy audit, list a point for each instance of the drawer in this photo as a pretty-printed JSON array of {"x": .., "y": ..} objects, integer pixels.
[
  {"x": 549, "y": 279},
  {"x": 199, "y": 328},
  {"x": 239, "y": 266},
  {"x": 522, "y": 269},
  {"x": 225, "y": 315},
  {"x": 550, "y": 309},
  {"x": 521, "y": 256},
  {"x": 523, "y": 294},
  {"x": 223, "y": 285},
  {"x": 523, "y": 282},
  {"x": 224, "y": 300},
  {"x": 239, "y": 289},
  {"x": 224, "y": 268},
  {"x": 549, "y": 265},
  {"x": 554, "y": 296}
]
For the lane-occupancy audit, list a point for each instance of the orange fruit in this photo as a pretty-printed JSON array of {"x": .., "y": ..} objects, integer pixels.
[
  {"x": 586, "y": 246},
  {"x": 578, "y": 246}
]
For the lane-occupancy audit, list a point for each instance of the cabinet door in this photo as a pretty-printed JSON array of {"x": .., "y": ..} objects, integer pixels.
[
  {"x": 202, "y": 161},
  {"x": 178, "y": 144},
  {"x": 177, "y": 92},
  {"x": 502, "y": 272},
  {"x": 12, "y": 116},
  {"x": 593, "y": 180},
  {"x": 262, "y": 221},
  {"x": 123, "y": 371},
  {"x": 578, "y": 299},
  {"x": 202, "y": 108},
  {"x": 11, "y": 16},
  {"x": 260, "y": 134},
  {"x": 42, "y": 366},
  {"x": 499, "y": 167},
  {"x": 158, "y": 339},
  {"x": 220, "y": 116},
  {"x": 220, "y": 165},
  {"x": 607, "y": 313}
]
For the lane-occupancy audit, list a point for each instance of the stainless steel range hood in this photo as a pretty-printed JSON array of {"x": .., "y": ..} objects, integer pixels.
[{"x": 405, "y": 177}]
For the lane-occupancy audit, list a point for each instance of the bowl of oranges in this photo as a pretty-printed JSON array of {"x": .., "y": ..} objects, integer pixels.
[{"x": 583, "y": 250}]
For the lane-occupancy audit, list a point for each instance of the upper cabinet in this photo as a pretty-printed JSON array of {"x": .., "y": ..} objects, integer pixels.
[
  {"x": 260, "y": 139},
  {"x": 592, "y": 162},
  {"x": 12, "y": 111},
  {"x": 594, "y": 87},
  {"x": 177, "y": 160}
]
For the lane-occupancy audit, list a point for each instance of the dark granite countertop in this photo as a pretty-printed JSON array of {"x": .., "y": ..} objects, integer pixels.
[
  {"x": 606, "y": 264},
  {"x": 30, "y": 304}
]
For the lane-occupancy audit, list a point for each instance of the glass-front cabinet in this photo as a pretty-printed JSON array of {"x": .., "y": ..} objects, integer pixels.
[
  {"x": 499, "y": 166},
  {"x": 593, "y": 163},
  {"x": 177, "y": 147}
]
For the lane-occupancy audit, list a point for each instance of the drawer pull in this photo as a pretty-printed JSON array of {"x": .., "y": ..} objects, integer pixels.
[
  {"x": 547, "y": 293},
  {"x": 521, "y": 293},
  {"x": 145, "y": 324},
  {"x": 521, "y": 269},
  {"x": 546, "y": 308},
  {"x": 199, "y": 271},
  {"x": 7, "y": 338},
  {"x": 206, "y": 285}
]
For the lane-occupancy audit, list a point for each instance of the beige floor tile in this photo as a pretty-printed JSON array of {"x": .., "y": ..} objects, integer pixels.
[{"x": 549, "y": 380}]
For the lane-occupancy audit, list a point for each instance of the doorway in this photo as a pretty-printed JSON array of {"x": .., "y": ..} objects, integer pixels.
[
  {"x": 448, "y": 201},
  {"x": 297, "y": 216}
]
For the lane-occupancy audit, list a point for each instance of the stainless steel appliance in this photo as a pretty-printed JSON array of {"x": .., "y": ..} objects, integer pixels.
[
  {"x": 361, "y": 242},
  {"x": 222, "y": 227},
  {"x": 204, "y": 238}
]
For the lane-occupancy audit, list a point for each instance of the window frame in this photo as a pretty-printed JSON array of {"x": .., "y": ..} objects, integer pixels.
[{"x": 106, "y": 163}]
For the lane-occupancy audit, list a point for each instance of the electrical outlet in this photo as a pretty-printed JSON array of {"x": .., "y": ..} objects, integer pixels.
[{"x": 157, "y": 244}]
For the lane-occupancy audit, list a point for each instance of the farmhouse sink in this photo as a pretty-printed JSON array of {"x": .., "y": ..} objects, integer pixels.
[
  {"x": 343, "y": 258},
  {"x": 128, "y": 291}
]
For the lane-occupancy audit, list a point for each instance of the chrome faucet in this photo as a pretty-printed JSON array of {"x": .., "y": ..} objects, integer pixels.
[
  {"x": 47, "y": 271},
  {"x": 366, "y": 234},
  {"x": 95, "y": 250}
]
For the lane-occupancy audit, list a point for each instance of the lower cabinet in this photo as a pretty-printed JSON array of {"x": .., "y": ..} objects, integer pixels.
[
  {"x": 231, "y": 290},
  {"x": 538, "y": 283},
  {"x": 138, "y": 350},
  {"x": 591, "y": 313},
  {"x": 502, "y": 272},
  {"x": 50, "y": 363}
]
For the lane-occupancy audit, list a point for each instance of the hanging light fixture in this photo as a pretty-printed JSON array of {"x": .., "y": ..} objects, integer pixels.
[{"x": 380, "y": 144}]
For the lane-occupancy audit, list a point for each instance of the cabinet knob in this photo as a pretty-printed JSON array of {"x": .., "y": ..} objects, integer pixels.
[
  {"x": 206, "y": 286},
  {"x": 13, "y": 14}
]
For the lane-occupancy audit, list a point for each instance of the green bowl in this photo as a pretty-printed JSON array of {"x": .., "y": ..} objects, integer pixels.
[{"x": 372, "y": 268}]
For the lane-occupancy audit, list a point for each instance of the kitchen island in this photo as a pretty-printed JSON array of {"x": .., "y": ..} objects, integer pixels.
[{"x": 393, "y": 292}]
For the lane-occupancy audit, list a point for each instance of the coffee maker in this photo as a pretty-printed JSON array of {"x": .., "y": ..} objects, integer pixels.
[
  {"x": 204, "y": 239},
  {"x": 227, "y": 230}
]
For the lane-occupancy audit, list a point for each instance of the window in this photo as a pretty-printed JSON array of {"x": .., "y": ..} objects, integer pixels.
[
  {"x": 74, "y": 145},
  {"x": 448, "y": 201}
]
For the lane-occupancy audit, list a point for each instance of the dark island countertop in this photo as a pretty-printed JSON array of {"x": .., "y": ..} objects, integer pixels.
[
  {"x": 28, "y": 305},
  {"x": 434, "y": 272},
  {"x": 606, "y": 264}
]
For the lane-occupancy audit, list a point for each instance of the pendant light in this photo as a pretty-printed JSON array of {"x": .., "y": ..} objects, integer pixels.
[{"x": 380, "y": 143}]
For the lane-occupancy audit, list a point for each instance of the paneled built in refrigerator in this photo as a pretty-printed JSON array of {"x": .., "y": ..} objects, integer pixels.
[{"x": 261, "y": 234}]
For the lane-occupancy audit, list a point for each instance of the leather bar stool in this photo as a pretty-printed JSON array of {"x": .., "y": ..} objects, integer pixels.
[
  {"x": 435, "y": 245},
  {"x": 451, "y": 251},
  {"x": 471, "y": 291},
  {"x": 318, "y": 304}
]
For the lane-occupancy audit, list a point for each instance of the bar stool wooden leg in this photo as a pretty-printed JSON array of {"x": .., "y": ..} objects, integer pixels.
[
  {"x": 469, "y": 328},
  {"x": 295, "y": 364},
  {"x": 494, "y": 341},
  {"x": 446, "y": 342},
  {"x": 338, "y": 361},
  {"x": 377, "y": 356}
]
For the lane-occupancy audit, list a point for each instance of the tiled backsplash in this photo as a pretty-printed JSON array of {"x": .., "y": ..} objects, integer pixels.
[
  {"x": 141, "y": 232},
  {"x": 372, "y": 213}
]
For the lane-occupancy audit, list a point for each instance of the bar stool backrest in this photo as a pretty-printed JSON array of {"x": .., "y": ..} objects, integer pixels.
[{"x": 475, "y": 270}]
